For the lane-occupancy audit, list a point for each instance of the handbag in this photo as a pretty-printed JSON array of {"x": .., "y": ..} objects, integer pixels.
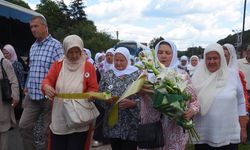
[
  {"x": 79, "y": 113},
  {"x": 150, "y": 135},
  {"x": 5, "y": 86}
]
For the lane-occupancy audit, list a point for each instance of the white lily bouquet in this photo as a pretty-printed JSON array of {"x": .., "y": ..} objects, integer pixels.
[{"x": 170, "y": 97}]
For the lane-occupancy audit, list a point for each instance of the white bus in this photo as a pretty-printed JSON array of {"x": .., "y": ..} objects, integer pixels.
[{"x": 133, "y": 47}]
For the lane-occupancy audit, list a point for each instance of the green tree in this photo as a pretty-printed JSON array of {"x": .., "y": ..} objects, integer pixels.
[
  {"x": 232, "y": 39},
  {"x": 195, "y": 51},
  {"x": 20, "y": 3},
  {"x": 192, "y": 51},
  {"x": 65, "y": 10},
  {"x": 153, "y": 42},
  {"x": 62, "y": 23},
  {"x": 57, "y": 21},
  {"x": 77, "y": 12},
  {"x": 93, "y": 40},
  {"x": 104, "y": 42},
  {"x": 63, "y": 7}
]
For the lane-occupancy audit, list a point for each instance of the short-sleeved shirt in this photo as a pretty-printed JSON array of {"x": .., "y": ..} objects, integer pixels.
[
  {"x": 42, "y": 55},
  {"x": 244, "y": 66}
]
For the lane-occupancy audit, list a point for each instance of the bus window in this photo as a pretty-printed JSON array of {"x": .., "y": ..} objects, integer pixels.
[
  {"x": 130, "y": 46},
  {"x": 133, "y": 47}
]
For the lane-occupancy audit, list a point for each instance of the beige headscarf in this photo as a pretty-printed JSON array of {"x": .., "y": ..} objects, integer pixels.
[
  {"x": 68, "y": 43},
  {"x": 70, "y": 78},
  {"x": 207, "y": 84}
]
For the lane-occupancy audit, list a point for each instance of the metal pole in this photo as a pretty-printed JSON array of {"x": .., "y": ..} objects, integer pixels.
[
  {"x": 117, "y": 35},
  {"x": 243, "y": 27}
]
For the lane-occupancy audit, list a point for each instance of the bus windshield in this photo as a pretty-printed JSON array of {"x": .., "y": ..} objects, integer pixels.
[{"x": 132, "y": 47}]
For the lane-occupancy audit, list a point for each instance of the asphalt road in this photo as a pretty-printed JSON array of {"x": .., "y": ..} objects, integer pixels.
[{"x": 15, "y": 140}]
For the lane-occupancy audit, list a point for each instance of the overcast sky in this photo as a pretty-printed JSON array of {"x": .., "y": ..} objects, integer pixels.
[{"x": 186, "y": 22}]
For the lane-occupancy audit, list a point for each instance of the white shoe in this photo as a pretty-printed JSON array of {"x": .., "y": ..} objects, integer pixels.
[{"x": 96, "y": 143}]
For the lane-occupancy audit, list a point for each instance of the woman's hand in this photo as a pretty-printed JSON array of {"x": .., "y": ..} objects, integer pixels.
[
  {"x": 148, "y": 88},
  {"x": 25, "y": 91},
  {"x": 49, "y": 91},
  {"x": 127, "y": 103},
  {"x": 112, "y": 100},
  {"x": 188, "y": 114},
  {"x": 14, "y": 103},
  {"x": 91, "y": 99}
]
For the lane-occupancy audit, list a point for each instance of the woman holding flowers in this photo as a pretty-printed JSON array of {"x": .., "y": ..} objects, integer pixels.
[
  {"x": 123, "y": 132},
  {"x": 221, "y": 96},
  {"x": 175, "y": 137}
]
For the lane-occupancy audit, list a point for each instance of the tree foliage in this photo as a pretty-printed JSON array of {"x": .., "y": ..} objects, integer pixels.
[
  {"x": 64, "y": 20},
  {"x": 77, "y": 12},
  {"x": 20, "y": 3},
  {"x": 154, "y": 41},
  {"x": 55, "y": 18},
  {"x": 232, "y": 39},
  {"x": 199, "y": 50},
  {"x": 192, "y": 51}
]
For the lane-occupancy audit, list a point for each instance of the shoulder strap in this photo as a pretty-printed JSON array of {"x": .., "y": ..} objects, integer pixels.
[{"x": 3, "y": 71}]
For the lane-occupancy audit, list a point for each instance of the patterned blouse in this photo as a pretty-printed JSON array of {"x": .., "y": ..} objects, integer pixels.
[
  {"x": 18, "y": 68},
  {"x": 128, "y": 119},
  {"x": 175, "y": 138}
]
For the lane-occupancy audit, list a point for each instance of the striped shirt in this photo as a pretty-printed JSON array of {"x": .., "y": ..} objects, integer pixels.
[{"x": 42, "y": 55}]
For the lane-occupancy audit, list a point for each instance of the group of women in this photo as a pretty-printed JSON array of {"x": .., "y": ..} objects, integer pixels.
[{"x": 217, "y": 106}]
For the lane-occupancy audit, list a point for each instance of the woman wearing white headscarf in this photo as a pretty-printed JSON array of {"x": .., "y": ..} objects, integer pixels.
[
  {"x": 71, "y": 74},
  {"x": 99, "y": 58},
  {"x": 183, "y": 63},
  {"x": 7, "y": 117},
  {"x": 194, "y": 62},
  {"x": 123, "y": 134},
  {"x": 231, "y": 58},
  {"x": 10, "y": 54},
  {"x": 109, "y": 59},
  {"x": 88, "y": 53},
  {"x": 175, "y": 138},
  {"x": 220, "y": 93},
  {"x": 98, "y": 134}
]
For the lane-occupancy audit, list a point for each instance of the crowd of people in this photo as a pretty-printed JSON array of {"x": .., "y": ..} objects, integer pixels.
[{"x": 219, "y": 86}]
